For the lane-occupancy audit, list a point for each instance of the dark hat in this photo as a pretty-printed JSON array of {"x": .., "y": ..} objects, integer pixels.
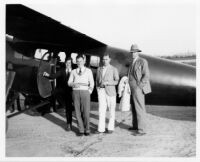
[{"x": 134, "y": 48}]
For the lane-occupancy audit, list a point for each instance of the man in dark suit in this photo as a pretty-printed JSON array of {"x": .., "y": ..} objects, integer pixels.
[
  {"x": 63, "y": 92},
  {"x": 139, "y": 84}
]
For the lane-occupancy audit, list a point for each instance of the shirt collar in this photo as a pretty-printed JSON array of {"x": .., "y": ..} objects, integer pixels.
[
  {"x": 135, "y": 59},
  {"x": 70, "y": 69},
  {"x": 105, "y": 67},
  {"x": 82, "y": 68}
]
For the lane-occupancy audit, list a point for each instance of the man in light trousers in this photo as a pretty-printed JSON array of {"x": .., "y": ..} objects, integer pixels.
[{"x": 106, "y": 80}]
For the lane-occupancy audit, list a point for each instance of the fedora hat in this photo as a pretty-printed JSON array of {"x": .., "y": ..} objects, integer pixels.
[{"x": 134, "y": 48}]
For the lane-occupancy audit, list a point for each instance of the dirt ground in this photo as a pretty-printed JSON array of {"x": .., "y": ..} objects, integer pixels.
[{"x": 171, "y": 133}]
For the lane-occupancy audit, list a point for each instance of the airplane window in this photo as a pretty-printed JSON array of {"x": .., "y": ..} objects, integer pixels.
[
  {"x": 94, "y": 61},
  {"x": 62, "y": 56},
  {"x": 73, "y": 56},
  {"x": 39, "y": 53}
]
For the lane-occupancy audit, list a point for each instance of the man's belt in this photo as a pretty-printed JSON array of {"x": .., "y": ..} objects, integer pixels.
[
  {"x": 83, "y": 84},
  {"x": 102, "y": 86}
]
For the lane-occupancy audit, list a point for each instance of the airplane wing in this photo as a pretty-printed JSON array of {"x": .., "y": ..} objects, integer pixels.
[{"x": 31, "y": 27}]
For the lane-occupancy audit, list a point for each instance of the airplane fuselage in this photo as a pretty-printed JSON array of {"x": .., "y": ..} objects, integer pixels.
[{"x": 172, "y": 83}]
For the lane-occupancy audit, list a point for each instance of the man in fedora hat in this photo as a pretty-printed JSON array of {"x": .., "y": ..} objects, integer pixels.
[{"x": 139, "y": 84}]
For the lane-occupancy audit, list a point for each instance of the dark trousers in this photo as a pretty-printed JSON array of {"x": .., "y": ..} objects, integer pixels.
[
  {"x": 68, "y": 108},
  {"x": 138, "y": 109},
  {"x": 81, "y": 100},
  {"x": 64, "y": 97}
]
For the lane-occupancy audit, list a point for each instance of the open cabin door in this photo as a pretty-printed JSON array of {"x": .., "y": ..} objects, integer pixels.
[{"x": 44, "y": 84}]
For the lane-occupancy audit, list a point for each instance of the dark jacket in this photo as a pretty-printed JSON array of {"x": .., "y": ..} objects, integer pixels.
[{"x": 61, "y": 79}]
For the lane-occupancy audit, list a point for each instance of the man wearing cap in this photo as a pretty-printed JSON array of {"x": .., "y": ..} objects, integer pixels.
[{"x": 139, "y": 84}]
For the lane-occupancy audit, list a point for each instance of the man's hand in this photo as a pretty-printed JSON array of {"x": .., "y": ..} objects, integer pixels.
[
  {"x": 45, "y": 74},
  {"x": 90, "y": 91},
  {"x": 105, "y": 83},
  {"x": 126, "y": 81}
]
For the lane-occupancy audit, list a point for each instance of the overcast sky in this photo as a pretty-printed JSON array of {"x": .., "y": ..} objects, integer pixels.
[{"x": 159, "y": 27}]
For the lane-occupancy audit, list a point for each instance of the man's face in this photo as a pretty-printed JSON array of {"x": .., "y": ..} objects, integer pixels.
[
  {"x": 68, "y": 63},
  {"x": 134, "y": 54},
  {"x": 106, "y": 60},
  {"x": 80, "y": 62}
]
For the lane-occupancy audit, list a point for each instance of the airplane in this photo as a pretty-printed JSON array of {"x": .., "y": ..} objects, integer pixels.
[{"x": 28, "y": 31}]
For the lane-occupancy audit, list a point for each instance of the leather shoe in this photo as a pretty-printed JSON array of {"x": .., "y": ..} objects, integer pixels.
[
  {"x": 87, "y": 134},
  {"x": 139, "y": 133},
  {"x": 132, "y": 128},
  {"x": 80, "y": 134},
  {"x": 109, "y": 131},
  {"x": 97, "y": 132},
  {"x": 68, "y": 127}
]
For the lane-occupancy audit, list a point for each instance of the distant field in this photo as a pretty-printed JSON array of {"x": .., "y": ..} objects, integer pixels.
[{"x": 190, "y": 60}]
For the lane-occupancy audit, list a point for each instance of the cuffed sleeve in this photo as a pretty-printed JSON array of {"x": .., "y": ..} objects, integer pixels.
[
  {"x": 71, "y": 79},
  {"x": 54, "y": 76}
]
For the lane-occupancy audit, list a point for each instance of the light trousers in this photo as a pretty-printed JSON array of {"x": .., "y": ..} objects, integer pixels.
[
  {"x": 138, "y": 109},
  {"x": 81, "y": 100},
  {"x": 105, "y": 102}
]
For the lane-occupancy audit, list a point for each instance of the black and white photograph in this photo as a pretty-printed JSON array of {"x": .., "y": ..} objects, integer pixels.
[{"x": 108, "y": 80}]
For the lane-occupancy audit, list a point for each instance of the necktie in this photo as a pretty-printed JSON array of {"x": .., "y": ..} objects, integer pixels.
[
  {"x": 130, "y": 68},
  {"x": 68, "y": 72},
  {"x": 80, "y": 72}
]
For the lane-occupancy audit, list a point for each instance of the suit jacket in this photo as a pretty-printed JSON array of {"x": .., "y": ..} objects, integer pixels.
[
  {"x": 61, "y": 79},
  {"x": 111, "y": 76},
  {"x": 139, "y": 75}
]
